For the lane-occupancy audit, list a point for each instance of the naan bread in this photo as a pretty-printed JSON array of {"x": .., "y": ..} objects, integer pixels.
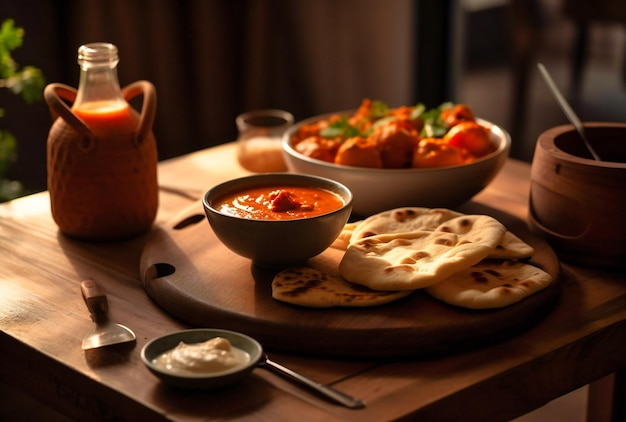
[
  {"x": 418, "y": 259},
  {"x": 401, "y": 220},
  {"x": 312, "y": 288},
  {"x": 409, "y": 219},
  {"x": 511, "y": 247},
  {"x": 491, "y": 284},
  {"x": 343, "y": 240}
]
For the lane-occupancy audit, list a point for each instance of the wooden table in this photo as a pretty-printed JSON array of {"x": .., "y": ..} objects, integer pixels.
[{"x": 43, "y": 319}]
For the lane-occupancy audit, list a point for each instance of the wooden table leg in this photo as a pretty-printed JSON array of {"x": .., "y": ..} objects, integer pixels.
[
  {"x": 606, "y": 398},
  {"x": 619, "y": 396}
]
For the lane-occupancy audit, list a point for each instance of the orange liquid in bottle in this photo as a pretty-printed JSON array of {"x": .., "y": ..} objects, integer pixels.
[{"x": 108, "y": 118}]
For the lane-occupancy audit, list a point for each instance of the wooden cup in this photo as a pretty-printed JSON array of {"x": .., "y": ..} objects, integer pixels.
[{"x": 577, "y": 203}]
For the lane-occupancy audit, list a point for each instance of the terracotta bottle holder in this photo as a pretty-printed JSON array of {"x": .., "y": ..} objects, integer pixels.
[{"x": 102, "y": 187}]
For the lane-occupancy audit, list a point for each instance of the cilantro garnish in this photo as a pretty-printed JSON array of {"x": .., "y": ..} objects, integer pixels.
[
  {"x": 418, "y": 110},
  {"x": 378, "y": 110},
  {"x": 434, "y": 126},
  {"x": 341, "y": 128}
]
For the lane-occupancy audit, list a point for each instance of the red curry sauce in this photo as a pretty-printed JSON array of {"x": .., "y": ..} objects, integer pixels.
[{"x": 279, "y": 203}]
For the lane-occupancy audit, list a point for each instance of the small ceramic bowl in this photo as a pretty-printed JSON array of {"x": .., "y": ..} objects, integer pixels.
[
  {"x": 377, "y": 190},
  {"x": 276, "y": 243},
  {"x": 162, "y": 344},
  {"x": 579, "y": 203}
]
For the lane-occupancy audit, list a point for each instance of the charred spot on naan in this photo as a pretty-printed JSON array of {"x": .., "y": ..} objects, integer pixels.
[
  {"x": 445, "y": 241},
  {"x": 402, "y": 267},
  {"x": 479, "y": 277},
  {"x": 460, "y": 225},
  {"x": 415, "y": 258},
  {"x": 302, "y": 287},
  {"x": 404, "y": 214}
]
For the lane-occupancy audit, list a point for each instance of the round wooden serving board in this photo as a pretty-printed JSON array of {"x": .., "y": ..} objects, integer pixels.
[{"x": 190, "y": 274}]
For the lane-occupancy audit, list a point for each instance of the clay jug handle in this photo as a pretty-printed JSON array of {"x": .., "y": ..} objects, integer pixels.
[
  {"x": 54, "y": 94},
  {"x": 148, "y": 109}
]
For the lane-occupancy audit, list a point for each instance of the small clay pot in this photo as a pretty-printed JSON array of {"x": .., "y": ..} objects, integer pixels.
[{"x": 576, "y": 202}]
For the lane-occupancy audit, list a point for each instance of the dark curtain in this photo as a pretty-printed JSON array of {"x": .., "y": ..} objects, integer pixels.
[{"x": 213, "y": 59}]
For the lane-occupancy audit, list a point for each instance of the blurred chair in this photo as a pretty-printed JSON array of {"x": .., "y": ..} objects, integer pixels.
[
  {"x": 527, "y": 23},
  {"x": 583, "y": 14}
]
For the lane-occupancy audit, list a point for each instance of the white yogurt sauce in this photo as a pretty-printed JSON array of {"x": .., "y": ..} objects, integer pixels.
[{"x": 213, "y": 356}]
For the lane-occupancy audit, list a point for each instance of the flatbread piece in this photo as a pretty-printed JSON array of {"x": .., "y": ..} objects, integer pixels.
[
  {"x": 511, "y": 247},
  {"x": 409, "y": 219},
  {"x": 491, "y": 284},
  {"x": 418, "y": 259},
  {"x": 400, "y": 220},
  {"x": 308, "y": 287}
]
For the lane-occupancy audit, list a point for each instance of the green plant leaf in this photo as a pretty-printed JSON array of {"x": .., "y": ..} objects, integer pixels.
[
  {"x": 10, "y": 189},
  {"x": 10, "y": 36},
  {"x": 28, "y": 83},
  {"x": 8, "y": 151}
]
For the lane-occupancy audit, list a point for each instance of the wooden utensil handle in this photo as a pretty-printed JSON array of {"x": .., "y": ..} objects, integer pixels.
[{"x": 95, "y": 297}]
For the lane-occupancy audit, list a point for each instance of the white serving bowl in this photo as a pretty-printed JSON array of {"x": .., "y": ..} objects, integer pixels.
[{"x": 377, "y": 190}]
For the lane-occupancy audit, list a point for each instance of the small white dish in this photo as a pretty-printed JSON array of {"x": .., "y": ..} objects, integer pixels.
[{"x": 209, "y": 381}]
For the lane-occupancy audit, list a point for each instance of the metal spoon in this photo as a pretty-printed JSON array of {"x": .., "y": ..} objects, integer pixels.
[
  {"x": 105, "y": 333},
  {"x": 325, "y": 390},
  {"x": 571, "y": 115}
]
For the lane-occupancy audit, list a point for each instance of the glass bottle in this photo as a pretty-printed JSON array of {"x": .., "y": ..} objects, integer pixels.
[
  {"x": 102, "y": 156},
  {"x": 99, "y": 101}
]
